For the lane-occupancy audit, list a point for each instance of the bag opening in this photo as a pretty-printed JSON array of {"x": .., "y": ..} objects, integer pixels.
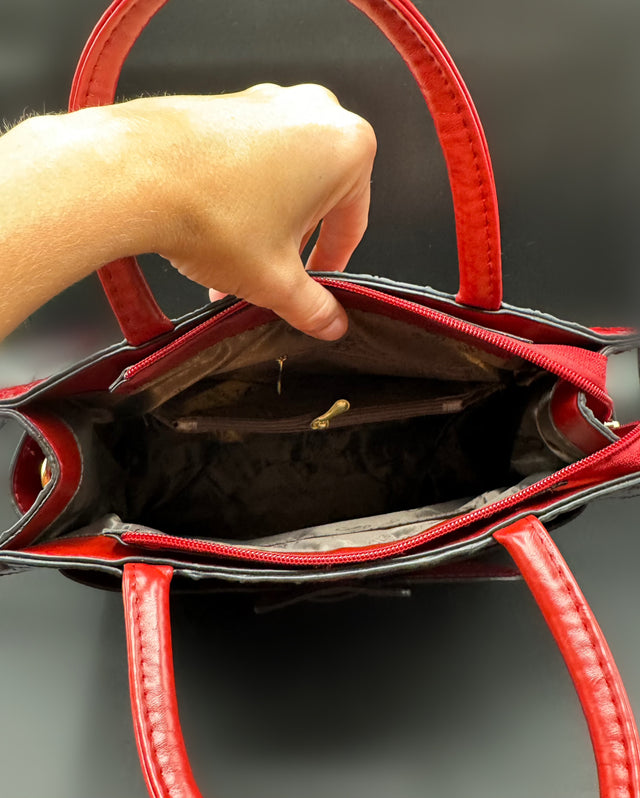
[{"x": 225, "y": 447}]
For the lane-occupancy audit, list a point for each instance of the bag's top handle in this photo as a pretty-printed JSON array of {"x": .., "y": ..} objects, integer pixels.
[
  {"x": 456, "y": 121},
  {"x": 609, "y": 717}
]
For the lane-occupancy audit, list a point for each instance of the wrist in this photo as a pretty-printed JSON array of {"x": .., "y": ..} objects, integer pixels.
[
  {"x": 128, "y": 151},
  {"x": 146, "y": 143},
  {"x": 106, "y": 166}
]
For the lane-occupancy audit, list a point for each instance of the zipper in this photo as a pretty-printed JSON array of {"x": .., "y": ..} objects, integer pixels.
[
  {"x": 341, "y": 414},
  {"x": 499, "y": 340},
  {"x": 131, "y": 371},
  {"x": 162, "y": 541}
]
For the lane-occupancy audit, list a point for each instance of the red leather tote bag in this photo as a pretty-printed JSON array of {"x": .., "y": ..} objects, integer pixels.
[{"x": 437, "y": 428}]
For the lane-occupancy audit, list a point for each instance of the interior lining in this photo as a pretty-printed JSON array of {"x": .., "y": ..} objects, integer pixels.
[
  {"x": 223, "y": 448},
  {"x": 354, "y": 533},
  {"x": 386, "y": 528},
  {"x": 374, "y": 345}
]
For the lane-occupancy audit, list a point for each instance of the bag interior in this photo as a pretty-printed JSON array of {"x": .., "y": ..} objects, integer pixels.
[{"x": 223, "y": 448}]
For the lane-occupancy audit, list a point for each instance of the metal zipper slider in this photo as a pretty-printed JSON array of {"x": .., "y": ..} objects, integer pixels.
[{"x": 336, "y": 409}]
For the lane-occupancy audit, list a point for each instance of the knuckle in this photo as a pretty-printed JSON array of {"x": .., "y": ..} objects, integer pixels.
[
  {"x": 316, "y": 91},
  {"x": 367, "y": 137},
  {"x": 266, "y": 89},
  {"x": 360, "y": 137}
]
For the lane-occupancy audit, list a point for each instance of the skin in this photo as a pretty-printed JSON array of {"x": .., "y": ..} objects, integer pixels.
[{"x": 228, "y": 188}]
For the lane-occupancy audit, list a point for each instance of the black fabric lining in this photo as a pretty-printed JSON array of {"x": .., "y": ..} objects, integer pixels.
[
  {"x": 258, "y": 485},
  {"x": 234, "y": 484}
]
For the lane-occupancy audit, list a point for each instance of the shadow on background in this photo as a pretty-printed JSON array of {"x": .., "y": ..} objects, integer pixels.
[{"x": 458, "y": 690}]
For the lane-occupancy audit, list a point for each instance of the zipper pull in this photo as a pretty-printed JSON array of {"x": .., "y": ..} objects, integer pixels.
[
  {"x": 336, "y": 409},
  {"x": 280, "y": 362}
]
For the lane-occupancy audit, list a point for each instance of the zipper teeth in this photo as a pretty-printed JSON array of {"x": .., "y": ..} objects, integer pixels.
[
  {"x": 495, "y": 339},
  {"x": 302, "y": 423},
  {"x": 131, "y": 371},
  {"x": 196, "y": 546}
]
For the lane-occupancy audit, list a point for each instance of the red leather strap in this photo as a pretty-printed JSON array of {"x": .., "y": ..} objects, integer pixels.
[
  {"x": 604, "y": 700},
  {"x": 163, "y": 756},
  {"x": 610, "y": 719},
  {"x": 132, "y": 301},
  {"x": 455, "y": 117}
]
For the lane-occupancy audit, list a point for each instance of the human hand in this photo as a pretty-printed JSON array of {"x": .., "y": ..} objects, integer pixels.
[
  {"x": 229, "y": 188},
  {"x": 256, "y": 173}
]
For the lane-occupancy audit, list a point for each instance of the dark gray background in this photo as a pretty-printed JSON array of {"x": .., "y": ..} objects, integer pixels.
[{"x": 460, "y": 689}]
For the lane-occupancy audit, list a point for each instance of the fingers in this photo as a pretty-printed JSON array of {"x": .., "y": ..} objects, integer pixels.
[
  {"x": 341, "y": 231},
  {"x": 302, "y": 302},
  {"x": 344, "y": 225},
  {"x": 314, "y": 310},
  {"x": 308, "y": 147}
]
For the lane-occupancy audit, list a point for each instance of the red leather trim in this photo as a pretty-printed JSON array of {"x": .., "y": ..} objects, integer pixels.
[
  {"x": 163, "y": 756},
  {"x": 623, "y": 461},
  {"x": 26, "y": 480},
  {"x": 570, "y": 421},
  {"x": 604, "y": 701},
  {"x": 591, "y": 365},
  {"x": 614, "y": 330},
  {"x": 64, "y": 487},
  {"x": 17, "y": 390},
  {"x": 456, "y": 120}
]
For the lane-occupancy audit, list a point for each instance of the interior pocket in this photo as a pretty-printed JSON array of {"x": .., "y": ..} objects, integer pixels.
[{"x": 347, "y": 402}]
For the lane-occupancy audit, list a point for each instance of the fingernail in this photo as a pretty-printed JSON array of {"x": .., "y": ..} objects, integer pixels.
[{"x": 214, "y": 295}]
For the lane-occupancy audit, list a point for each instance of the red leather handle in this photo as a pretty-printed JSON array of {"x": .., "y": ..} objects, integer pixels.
[
  {"x": 591, "y": 665},
  {"x": 456, "y": 120},
  {"x": 611, "y": 724},
  {"x": 163, "y": 756}
]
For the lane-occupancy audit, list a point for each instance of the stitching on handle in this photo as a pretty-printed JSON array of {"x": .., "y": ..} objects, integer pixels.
[
  {"x": 129, "y": 323},
  {"x": 144, "y": 677},
  {"x": 88, "y": 95},
  {"x": 580, "y": 613},
  {"x": 391, "y": 12}
]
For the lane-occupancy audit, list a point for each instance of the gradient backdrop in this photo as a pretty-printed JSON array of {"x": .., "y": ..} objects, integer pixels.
[{"x": 458, "y": 690}]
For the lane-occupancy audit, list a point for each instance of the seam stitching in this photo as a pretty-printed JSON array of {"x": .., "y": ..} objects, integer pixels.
[
  {"x": 128, "y": 322},
  {"x": 460, "y": 113},
  {"x": 144, "y": 678},
  {"x": 587, "y": 628},
  {"x": 88, "y": 93}
]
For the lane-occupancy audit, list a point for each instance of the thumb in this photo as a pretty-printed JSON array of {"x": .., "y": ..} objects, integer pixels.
[{"x": 305, "y": 304}]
